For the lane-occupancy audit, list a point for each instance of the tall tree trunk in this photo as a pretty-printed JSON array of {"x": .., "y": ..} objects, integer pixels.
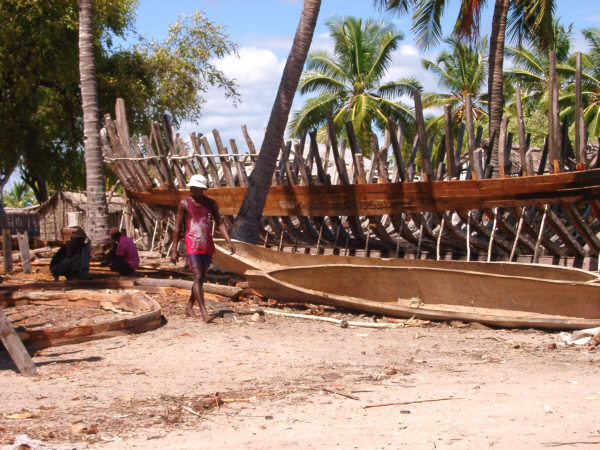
[
  {"x": 495, "y": 77},
  {"x": 247, "y": 223},
  {"x": 97, "y": 209}
]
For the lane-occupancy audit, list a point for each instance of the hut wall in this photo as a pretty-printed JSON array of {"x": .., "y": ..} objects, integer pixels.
[{"x": 18, "y": 222}]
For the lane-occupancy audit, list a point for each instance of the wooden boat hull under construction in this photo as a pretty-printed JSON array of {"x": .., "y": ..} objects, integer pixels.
[
  {"x": 438, "y": 294},
  {"x": 253, "y": 257},
  {"x": 394, "y": 198}
]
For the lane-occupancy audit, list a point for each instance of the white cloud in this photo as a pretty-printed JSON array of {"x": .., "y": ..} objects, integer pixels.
[{"x": 257, "y": 72}]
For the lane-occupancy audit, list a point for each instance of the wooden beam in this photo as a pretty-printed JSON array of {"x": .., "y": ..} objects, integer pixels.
[{"x": 15, "y": 347}]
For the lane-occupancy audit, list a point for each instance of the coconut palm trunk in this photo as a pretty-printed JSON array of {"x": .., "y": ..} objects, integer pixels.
[
  {"x": 495, "y": 74},
  {"x": 97, "y": 211},
  {"x": 247, "y": 223}
]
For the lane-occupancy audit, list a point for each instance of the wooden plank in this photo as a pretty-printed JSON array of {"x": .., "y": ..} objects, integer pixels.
[
  {"x": 15, "y": 347},
  {"x": 24, "y": 249},
  {"x": 7, "y": 251}
]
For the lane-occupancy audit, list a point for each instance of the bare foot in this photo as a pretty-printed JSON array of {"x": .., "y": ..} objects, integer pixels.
[
  {"x": 189, "y": 312},
  {"x": 208, "y": 318}
]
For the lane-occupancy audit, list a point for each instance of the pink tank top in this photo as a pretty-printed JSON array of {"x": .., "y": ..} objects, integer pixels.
[{"x": 198, "y": 225}]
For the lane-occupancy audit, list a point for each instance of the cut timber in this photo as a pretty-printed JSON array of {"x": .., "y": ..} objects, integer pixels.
[
  {"x": 15, "y": 347},
  {"x": 438, "y": 294},
  {"x": 146, "y": 313},
  {"x": 253, "y": 257}
]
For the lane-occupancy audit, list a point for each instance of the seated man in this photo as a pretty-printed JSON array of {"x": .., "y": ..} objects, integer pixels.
[
  {"x": 73, "y": 258},
  {"x": 124, "y": 257}
]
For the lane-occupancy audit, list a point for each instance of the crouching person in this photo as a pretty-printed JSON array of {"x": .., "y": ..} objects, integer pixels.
[
  {"x": 72, "y": 260},
  {"x": 124, "y": 257}
]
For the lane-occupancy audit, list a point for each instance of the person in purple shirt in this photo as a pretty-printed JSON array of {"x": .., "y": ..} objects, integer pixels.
[{"x": 124, "y": 256}]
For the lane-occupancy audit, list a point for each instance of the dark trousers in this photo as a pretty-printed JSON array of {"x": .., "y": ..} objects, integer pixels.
[{"x": 122, "y": 267}]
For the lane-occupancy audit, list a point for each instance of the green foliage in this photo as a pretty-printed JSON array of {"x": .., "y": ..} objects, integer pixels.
[
  {"x": 349, "y": 82},
  {"x": 40, "y": 104},
  {"x": 461, "y": 71},
  {"x": 19, "y": 196}
]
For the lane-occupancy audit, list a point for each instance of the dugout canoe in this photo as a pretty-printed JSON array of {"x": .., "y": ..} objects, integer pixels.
[
  {"x": 438, "y": 294},
  {"x": 137, "y": 312},
  {"x": 254, "y": 257},
  {"x": 375, "y": 199}
]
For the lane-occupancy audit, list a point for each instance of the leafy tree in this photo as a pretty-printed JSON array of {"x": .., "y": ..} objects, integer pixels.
[
  {"x": 19, "y": 196},
  {"x": 531, "y": 68},
  {"x": 519, "y": 18},
  {"x": 40, "y": 101},
  {"x": 462, "y": 70},
  {"x": 590, "y": 84},
  {"x": 350, "y": 81}
]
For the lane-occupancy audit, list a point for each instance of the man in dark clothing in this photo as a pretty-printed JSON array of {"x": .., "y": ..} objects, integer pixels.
[{"x": 73, "y": 258}]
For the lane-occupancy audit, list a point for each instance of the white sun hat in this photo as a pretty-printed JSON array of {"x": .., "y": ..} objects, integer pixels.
[{"x": 198, "y": 181}]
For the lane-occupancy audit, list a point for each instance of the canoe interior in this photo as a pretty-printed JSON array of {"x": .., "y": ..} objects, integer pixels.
[
  {"x": 420, "y": 286},
  {"x": 253, "y": 257}
]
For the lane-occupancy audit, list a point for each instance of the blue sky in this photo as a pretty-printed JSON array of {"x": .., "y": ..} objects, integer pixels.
[{"x": 264, "y": 30}]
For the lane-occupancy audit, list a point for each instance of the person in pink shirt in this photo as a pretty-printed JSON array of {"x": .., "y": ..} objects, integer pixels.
[
  {"x": 124, "y": 257},
  {"x": 195, "y": 216}
]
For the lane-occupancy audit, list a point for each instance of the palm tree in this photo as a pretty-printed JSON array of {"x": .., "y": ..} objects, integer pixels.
[
  {"x": 97, "y": 213},
  {"x": 590, "y": 83},
  {"x": 350, "y": 81},
  {"x": 247, "y": 223},
  {"x": 530, "y": 69},
  {"x": 19, "y": 196},
  {"x": 461, "y": 71},
  {"x": 532, "y": 19}
]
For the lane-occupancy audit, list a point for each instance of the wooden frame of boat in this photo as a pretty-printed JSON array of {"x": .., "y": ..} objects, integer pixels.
[
  {"x": 437, "y": 294},
  {"x": 318, "y": 201},
  {"x": 146, "y": 313}
]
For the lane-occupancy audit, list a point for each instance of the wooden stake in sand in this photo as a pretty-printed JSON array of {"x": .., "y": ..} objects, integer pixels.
[{"x": 15, "y": 347}]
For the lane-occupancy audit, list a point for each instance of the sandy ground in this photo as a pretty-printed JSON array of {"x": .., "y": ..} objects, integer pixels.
[{"x": 292, "y": 383}]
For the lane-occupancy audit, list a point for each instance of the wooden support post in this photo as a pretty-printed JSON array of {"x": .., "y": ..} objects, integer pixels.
[
  {"x": 553, "y": 125},
  {"x": 503, "y": 158},
  {"x": 397, "y": 148},
  {"x": 24, "y": 249},
  {"x": 579, "y": 124},
  {"x": 7, "y": 251},
  {"x": 470, "y": 137},
  {"x": 527, "y": 170},
  {"x": 339, "y": 162},
  {"x": 15, "y": 347},
  {"x": 449, "y": 141},
  {"x": 425, "y": 156}
]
